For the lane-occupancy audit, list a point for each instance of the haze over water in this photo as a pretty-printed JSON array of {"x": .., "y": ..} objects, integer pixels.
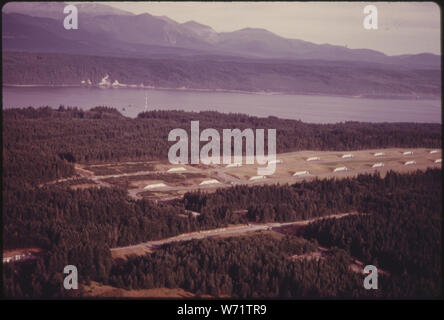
[{"x": 313, "y": 109}]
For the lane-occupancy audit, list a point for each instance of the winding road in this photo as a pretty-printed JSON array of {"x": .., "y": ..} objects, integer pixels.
[{"x": 234, "y": 230}]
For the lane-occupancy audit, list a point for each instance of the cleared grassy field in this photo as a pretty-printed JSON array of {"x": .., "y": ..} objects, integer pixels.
[
  {"x": 140, "y": 181},
  {"x": 169, "y": 185},
  {"x": 96, "y": 289},
  {"x": 362, "y": 160},
  {"x": 119, "y": 168}
]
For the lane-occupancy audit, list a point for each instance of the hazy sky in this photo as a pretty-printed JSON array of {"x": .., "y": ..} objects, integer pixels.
[{"x": 409, "y": 27}]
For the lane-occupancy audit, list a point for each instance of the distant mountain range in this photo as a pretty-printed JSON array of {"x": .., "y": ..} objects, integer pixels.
[{"x": 104, "y": 30}]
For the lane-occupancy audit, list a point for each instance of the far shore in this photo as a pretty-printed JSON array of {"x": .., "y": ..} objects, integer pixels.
[{"x": 359, "y": 96}]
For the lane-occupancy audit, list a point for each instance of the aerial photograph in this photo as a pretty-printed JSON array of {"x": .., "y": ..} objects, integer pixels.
[{"x": 205, "y": 151}]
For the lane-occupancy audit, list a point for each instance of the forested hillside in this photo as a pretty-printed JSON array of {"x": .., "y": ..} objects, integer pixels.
[
  {"x": 308, "y": 77},
  {"x": 95, "y": 190},
  {"x": 400, "y": 233},
  {"x": 42, "y": 144},
  {"x": 256, "y": 266}
]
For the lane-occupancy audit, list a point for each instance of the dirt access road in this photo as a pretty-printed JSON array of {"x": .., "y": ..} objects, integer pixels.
[
  {"x": 145, "y": 247},
  {"x": 362, "y": 161}
]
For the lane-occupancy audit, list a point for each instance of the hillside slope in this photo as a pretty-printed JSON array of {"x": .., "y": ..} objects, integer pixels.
[{"x": 308, "y": 77}]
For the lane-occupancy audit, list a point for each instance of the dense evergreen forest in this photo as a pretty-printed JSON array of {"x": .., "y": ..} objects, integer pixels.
[
  {"x": 367, "y": 193},
  {"x": 76, "y": 226},
  {"x": 261, "y": 266},
  {"x": 53, "y": 216},
  {"x": 269, "y": 75},
  {"x": 399, "y": 231},
  {"x": 251, "y": 266},
  {"x": 42, "y": 144}
]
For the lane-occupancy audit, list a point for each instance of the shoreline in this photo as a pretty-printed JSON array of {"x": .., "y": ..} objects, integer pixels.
[{"x": 265, "y": 93}]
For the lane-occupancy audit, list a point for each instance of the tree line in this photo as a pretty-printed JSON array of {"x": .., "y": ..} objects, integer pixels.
[
  {"x": 79, "y": 226},
  {"x": 401, "y": 233},
  {"x": 41, "y": 144},
  {"x": 326, "y": 77},
  {"x": 367, "y": 193}
]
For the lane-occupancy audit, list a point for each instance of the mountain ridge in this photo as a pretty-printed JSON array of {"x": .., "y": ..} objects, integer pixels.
[{"x": 140, "y": 35}]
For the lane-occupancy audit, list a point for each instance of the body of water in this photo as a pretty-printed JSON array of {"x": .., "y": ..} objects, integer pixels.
[{"x": 314, "y": 109}]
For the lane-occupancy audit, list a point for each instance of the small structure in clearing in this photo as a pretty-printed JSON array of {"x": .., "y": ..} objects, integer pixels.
[
  {"x": 178, "y": 169},
  {"x": 275, "y": 161},
  {"x": 211, "y": 181},
  {"x": 301, "y": 173},
  {"x": 193, "y": 213},
  {"x": 377, "y": 165},
  {"x": 379, "y": 154},
  {"x": 155, "y": 185},
  {"x": 348, "y": 155},
  {"x": 433, "y": 151},
  {"x": 257, "y": 178},
  {"x": 313, "y": 159},
  {"x": 438, "y": 160},
  {"x": 407, "y": 153},
  {"x": 340, "y": 169},
  {"x": 233, "y": 165},
  {"x": 410, "y": 162},
  {"x": 18, "y": 257}
]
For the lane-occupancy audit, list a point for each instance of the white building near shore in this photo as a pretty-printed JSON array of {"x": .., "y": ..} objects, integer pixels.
[{"x": 105, "y": 82}]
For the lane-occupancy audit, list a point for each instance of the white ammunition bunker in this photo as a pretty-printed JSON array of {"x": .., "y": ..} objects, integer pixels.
[
  {"x": 257, "y": 178},
  {"x": 211, "y": 181},
  {"x": 233, "y": 165},
  {"x": 155, "y": 185},
  {"x": 377, "y": 165},
  {"x": 378, "y": 154},
  {"x": 178, "y": 169}
]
